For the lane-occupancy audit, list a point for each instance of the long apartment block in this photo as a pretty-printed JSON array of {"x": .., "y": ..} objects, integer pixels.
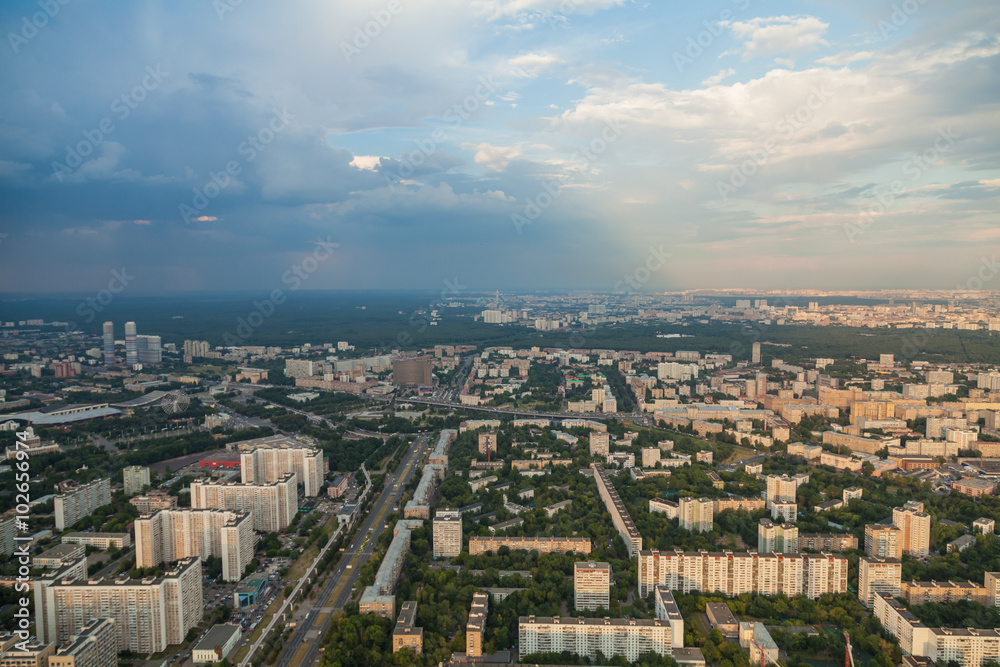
[
  {"x": 169, "y": 535},
  {"x": 543, "y": 545},
  {"x": 150, "y": 614},
  {"x": 269, "y": 459},
  {"x": 620, "y": 517},
  {"x": 734, "y": 573},
  {"x": 272, "y": 504},
  {"x": 380, "y": 597}
]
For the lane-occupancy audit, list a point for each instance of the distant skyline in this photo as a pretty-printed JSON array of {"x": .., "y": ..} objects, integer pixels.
[{"x": 512, "y": 144}]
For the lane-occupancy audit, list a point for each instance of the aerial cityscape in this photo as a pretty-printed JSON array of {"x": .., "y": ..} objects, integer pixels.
[{"x": 500, "y": 332}]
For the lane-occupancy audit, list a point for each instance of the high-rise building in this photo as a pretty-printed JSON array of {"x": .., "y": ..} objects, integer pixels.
[
  {"x": 273, "y": 504},
  {"x": 271, "y": 458},
  {"x": 475, "y": 628},
  {"x": 600, "y": 444},
  {"x": 785, "y": 512},
  {"x": 780, "y": 538},
  {"x": 883, "y": 540},
  {"x": 755, "y": 354},
  {"x": 915, "y": 527},
  {"x": 148, "y": 349},
  {"x": 150, "y": 614},
  {"x": 131, "y": 346},
  {"x": 109, "y": 344},
  {"x": 591, "y": 586},
  {"x": 695, "y": 514},
  {"x": 81, "y": 501},
  {"x": 413, "y": 371},
  {"x": 447, "y": 533},
  {"x": 135, "y": 478},
  {"x": 782, "y": 488},
  {"x": 878, "y": 575},
  {"x": 8, "y": 531},
  {"x": 93, "y": 645},
  {"x": 487, "y": 443},
  {"x": 196, "y": 348},
  {"x": 169, "y": 535}
]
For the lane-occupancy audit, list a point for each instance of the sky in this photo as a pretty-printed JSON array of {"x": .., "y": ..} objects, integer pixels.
[{"x": 203, "y": 145}]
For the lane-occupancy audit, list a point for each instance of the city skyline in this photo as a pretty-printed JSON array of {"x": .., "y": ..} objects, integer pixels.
[{"x": 529, "y": 144}]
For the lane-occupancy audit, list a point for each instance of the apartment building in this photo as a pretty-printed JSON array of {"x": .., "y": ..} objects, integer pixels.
[
  {"x": 733, "y": 573},
  {"x": 447, "y": 533},
  {"x": 475, "y": 628},
  {"x": 169, "y": 535},
  {"x": 616, "y": 508},
  {"x": 152, "y": 501},
  {"x": 591, "y": 586},
  {"x": 266, "y": 460},
  {"x": 406, "y": 634},
  {"x": 611, "y": 637},
  {"x": 600, "y": 444},
  {"x": 135, "y": 479},
  {"x": 419, "y": 506},
  {"x": 738, "y": 504},
  {"x": 58, "y": 556},
  {"x": 782, "y": 488},
  {"x": 922, "y": 592},
  {"x": 150, "y": 614},
  {"x": 878, "y": 575},
  {"x": 828, "y": 542},
  {"x": 380, "y": 597},
  {"x": 80, "y": 501},
  {"x": 883, "y": 541},
  {"x": 780, "y": 538},
  {"x": 670, "y": 508},
  {"x": 543, "y": 545},
  {"x": 273, "y": 505},
  {"x": 915, "y": 527},
  {"x": 784, "y": 512},
  {"x": 93, "y": 645},
  {"x": 969, "y": 647},
  {"x": 696, "y": 514},
  {"x": 992, "y": 584}
]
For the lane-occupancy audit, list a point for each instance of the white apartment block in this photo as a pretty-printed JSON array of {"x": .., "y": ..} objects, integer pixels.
[
  {"x": 586, "y": 636},
  {"x": 150, "y": 614},
  {"x": 782, "y": 488},
  {"x": 696, "y": 514},
  {"x": 135, "y": 478},
  {"x": 271, "y": 458},
  {"x": 72, "y": 506},
  {"x": 93, "y": 645},
  {"x": 916, "y": 530},
  {"x": 782, "y": 538},
  {"x": 273, "y": 505},
  {"x": 784, "y": 512},
  {"x": 600, "y": 444},
  {"x": 883, "y": 540},
  {"x": 850, "y": 493},
  {"x": 620, "y": 517},
  {"x": 969, "y": 647},
  {"x": 447, "y": 533},
  {"x": 733, "y": 573},
  {"x": 878, "y": 575},
  {"x": 591, "y": 586},
  {"x": 169, "y": 535},
  {"x": 668, "y": 507},
  {"x": 650, "y": 457}
]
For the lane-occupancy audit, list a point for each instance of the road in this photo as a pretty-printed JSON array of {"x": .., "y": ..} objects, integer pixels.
[{"x": 303, "y": 647}]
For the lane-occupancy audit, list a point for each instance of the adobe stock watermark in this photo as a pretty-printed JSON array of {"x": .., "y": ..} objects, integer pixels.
[
  {"x": 643, "y": 273},
  {"x": 364, "y": 34},
  {"x": 697, "y": 43},
  {"x": 293, "y": 279},
  {"x": 248, "y": 149},
  {"x": 551, "y": 190},
  {"x": 37, "y": 21},
  {"x": 92, "y": 305},
  {"x": 455, "y": 116},
  {"x": 987, "y": 271},
  {"x": 915, "y": 167},
  {"x": 753, "y": 332},
  {"x": 784, "y": 128},
  {"x": 900, "y": 16},
  {"x": 122, "y": 107}
]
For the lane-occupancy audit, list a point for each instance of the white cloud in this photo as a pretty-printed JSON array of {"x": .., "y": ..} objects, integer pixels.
[
  {"x": 369, "y": 162},
  {"x": 717, "y": 78},
  {"x": 494, "y": 158},
  {"x": 779, "y": 34},
  {"x": 529, "y": 65}
]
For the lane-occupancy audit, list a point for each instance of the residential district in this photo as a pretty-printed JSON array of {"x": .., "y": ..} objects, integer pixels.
[{"x": 321, "y": 504}]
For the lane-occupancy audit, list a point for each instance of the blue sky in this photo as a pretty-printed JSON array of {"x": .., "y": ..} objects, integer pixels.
[{"x": 498, "y": 143}]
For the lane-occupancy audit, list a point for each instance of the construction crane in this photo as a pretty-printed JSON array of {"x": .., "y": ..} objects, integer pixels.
[
  {"x": 849, "y": 656},
  {"x": 760, "y": 649}
]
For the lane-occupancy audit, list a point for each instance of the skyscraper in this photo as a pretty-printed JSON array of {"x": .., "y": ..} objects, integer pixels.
[
  {"x": 131, "y": 345},
  {"x": 149, "y": 349},
  {"x": 755, "y": 354},
  {"x": 109, "y": 343}
]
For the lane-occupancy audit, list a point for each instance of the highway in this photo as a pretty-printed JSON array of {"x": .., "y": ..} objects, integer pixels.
[{"x": 303, "y": 647}]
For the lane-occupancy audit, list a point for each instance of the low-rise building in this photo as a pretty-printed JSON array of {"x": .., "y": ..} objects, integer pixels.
[
  {"x": 216, "y": 644},
  {"x": 406, "y": 634}
]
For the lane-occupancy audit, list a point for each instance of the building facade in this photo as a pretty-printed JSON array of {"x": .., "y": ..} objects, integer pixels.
[
  {"x": 591, "y": 586},
  {"x": 73, "y": 505},
  {"x": 272, "y": 505},
  {"x": 170, "y": 535}
]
